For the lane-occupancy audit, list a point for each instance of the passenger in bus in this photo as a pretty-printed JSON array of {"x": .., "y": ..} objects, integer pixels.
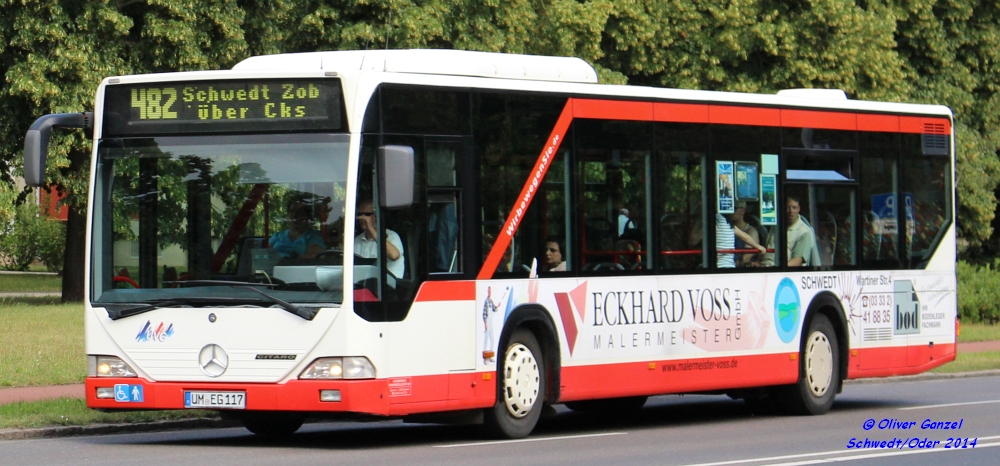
[
  {"x": 800, "y": 235},
  {"x": 739, "y": 221},
  {"x": 366, "y": 244},
  {"x": 800, "y": 238},
  {"x": 553, "y": 256},
  {"x": 300, "y": 240},
  {"x": 725, "y": 239}
]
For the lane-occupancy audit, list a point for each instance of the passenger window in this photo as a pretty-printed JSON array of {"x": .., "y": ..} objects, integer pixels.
[
  {"x": 613, "y": 159},
  {"x": 682, "y": 166}
]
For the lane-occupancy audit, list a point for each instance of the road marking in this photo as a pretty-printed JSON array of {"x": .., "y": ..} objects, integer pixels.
[
  {"x": 950, "y": 405},
  {"x": 537, "y": 439},
  {"x": 769, "y": 460}
]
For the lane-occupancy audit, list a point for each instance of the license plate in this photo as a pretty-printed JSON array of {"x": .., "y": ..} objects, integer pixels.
[{"x": 215, "y": 400}]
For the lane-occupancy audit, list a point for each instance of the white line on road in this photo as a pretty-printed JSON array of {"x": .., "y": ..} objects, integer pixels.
[
  {"x": 537, "y": 439},
  {"x": 769, "y": 460},
  {"x": 950, "y": 405}
]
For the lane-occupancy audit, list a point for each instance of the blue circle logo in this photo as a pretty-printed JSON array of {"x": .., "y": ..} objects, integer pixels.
[{"x": 787, "y": 310}]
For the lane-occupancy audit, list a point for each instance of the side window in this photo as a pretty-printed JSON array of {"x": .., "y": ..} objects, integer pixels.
[
  {"x": 613, "y": 163},
  {"x": 879, "y": 175},
  {"x": 510, "y": 133},
  {"x": 821, "y": 176},
  {"x": 743, "y": 210},
  {"x": 926, "y": 196},
  {"x": 682, "y": 166},
  {"x": 443, "y": 195}
]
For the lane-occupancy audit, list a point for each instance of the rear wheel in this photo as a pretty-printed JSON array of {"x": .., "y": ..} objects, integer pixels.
[
  {"x": 521, "y": 389},
  {"x": 819, "y": 370}
]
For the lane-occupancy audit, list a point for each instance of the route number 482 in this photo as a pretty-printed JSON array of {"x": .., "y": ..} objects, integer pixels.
[{"x": 151, "y": 105}]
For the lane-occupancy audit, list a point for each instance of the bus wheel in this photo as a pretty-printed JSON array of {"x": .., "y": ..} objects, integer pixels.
[
  {"x": 521, "y": 380},
  {"x": 609, "y": 406},
  {"x": 819, "y": 370},
  {"x": 272, "y": 426}
]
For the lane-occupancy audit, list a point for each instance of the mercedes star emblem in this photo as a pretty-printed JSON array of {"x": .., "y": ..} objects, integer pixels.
[{"x": 213, "y": 360}]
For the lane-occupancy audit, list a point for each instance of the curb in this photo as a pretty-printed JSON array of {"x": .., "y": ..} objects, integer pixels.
[
  {"x": 215, "y": 423},
  {"x": 110, "y": 429}
]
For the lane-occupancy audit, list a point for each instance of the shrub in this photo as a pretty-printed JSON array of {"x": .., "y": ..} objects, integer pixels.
[
  {"x": 52, "y": 244},
  {"x": 979, "y": 292},
  {"x": 19, "y": 239}
]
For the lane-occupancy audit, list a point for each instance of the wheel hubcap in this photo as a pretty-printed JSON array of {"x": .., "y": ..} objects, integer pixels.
[
  {"x": 819, "y": 363},
  {"x": 520, "y": 380}
]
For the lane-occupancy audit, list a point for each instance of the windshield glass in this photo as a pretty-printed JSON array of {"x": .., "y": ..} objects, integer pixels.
[{"x": 173, "y": 215}]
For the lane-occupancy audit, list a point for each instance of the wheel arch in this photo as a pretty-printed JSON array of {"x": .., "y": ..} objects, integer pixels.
[
  {"x": 538, "y": 321},
  {"x": 828, "y": 304}
]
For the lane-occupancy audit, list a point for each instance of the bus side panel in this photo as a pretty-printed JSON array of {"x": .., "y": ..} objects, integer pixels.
[{"x": 677, "y": 376}]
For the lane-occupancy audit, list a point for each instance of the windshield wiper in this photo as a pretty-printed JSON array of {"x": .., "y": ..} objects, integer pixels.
[
  {"x": 116, "y": 312},
  {"x": 307, "y": 313}
]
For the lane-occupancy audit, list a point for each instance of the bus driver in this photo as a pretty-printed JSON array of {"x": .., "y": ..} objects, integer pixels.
[{"x": 366, "y": 243}]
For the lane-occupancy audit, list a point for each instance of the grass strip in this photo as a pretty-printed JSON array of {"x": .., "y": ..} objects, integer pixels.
[
  {"x": 978, "y": 332},
  {"x": 10, "y": 283},
  {"x": 965, "y": 362},
  {"x": 74, "y": 412},
  {"x": 41, "y": 344}
]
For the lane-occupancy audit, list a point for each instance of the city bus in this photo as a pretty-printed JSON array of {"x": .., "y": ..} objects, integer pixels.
[{"x": 469, "y": 237}]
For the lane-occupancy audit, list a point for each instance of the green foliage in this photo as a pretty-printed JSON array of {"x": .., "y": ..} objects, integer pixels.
[
  {"x": 979, "y": 292},
  {"x": 18, "y": 239},
  {"x": 52, "y": 244},
  {"x": 55, "y": 52}
]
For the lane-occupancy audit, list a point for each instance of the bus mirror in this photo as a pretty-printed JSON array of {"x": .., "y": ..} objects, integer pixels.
[
  {"x": 395, "y": 177},
  {"x": 36, "y": 141}
]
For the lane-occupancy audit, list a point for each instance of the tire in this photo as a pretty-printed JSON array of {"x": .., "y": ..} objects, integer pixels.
[
  {"x": 275, "y": 427},
  {"x": 520, "y": 389},
  {"x": 819, "y": 370},
  {"x": 609, "y": 406}
]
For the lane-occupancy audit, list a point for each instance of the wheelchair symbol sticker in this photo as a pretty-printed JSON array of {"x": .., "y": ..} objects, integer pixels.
[{"x": 125, "y": 393}]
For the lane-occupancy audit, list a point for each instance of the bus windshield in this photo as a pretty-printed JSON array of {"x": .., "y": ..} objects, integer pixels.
[{"x": 173, "y": 215}]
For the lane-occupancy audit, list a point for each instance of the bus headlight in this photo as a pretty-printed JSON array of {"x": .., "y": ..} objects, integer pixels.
[
  {"x": 108, "y": 366},
  {"x": 355, "y": 367}
]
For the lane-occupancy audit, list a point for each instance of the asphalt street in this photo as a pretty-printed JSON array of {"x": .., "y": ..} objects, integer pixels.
[{"x": 681, "y": 430}]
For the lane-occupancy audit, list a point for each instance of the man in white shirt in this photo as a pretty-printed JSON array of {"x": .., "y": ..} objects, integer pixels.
[{"x": 366, "y": 243}]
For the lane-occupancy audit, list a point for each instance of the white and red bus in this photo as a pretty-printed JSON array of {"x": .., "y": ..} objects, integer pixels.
[{"x": 516, "y": 236}]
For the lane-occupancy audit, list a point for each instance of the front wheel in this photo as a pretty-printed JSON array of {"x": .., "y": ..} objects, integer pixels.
[
  {"x": 521, "y": 389},
  {"x": 819, "y": 370}
]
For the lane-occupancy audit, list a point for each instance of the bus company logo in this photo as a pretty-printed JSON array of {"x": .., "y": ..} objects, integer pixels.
[
  {"x": 787, "y": 310},
  {"x": 907, "y": 308},
  {"x": 160, "y": 333},
  {"x": 577, "y": 297}
]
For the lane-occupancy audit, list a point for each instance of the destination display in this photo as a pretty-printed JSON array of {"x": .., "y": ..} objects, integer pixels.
[{"x": 224, "y": 106}]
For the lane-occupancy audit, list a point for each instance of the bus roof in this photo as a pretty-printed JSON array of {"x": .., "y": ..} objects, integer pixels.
[
  {"x": 525, "y": 73},
  {"x": 431, "y": 61}
]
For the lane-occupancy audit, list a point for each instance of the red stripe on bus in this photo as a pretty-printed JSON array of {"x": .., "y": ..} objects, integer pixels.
[
  {"x": 898, "y": 360},
  {"x": 880, "y": 123},
  {"x": 921, "y": 125},
  {"x": 731, "y": 115},
  {"x": 447, "y": 291},
  {"x": 680, "y": 113},
  {"x": 819, "y": 120},
  {"x": 612, "y": 110},
  {"x": 383, "y": 397},
  {"x": 676, "y": 376},
  {"x": 531, "y": 185}
]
